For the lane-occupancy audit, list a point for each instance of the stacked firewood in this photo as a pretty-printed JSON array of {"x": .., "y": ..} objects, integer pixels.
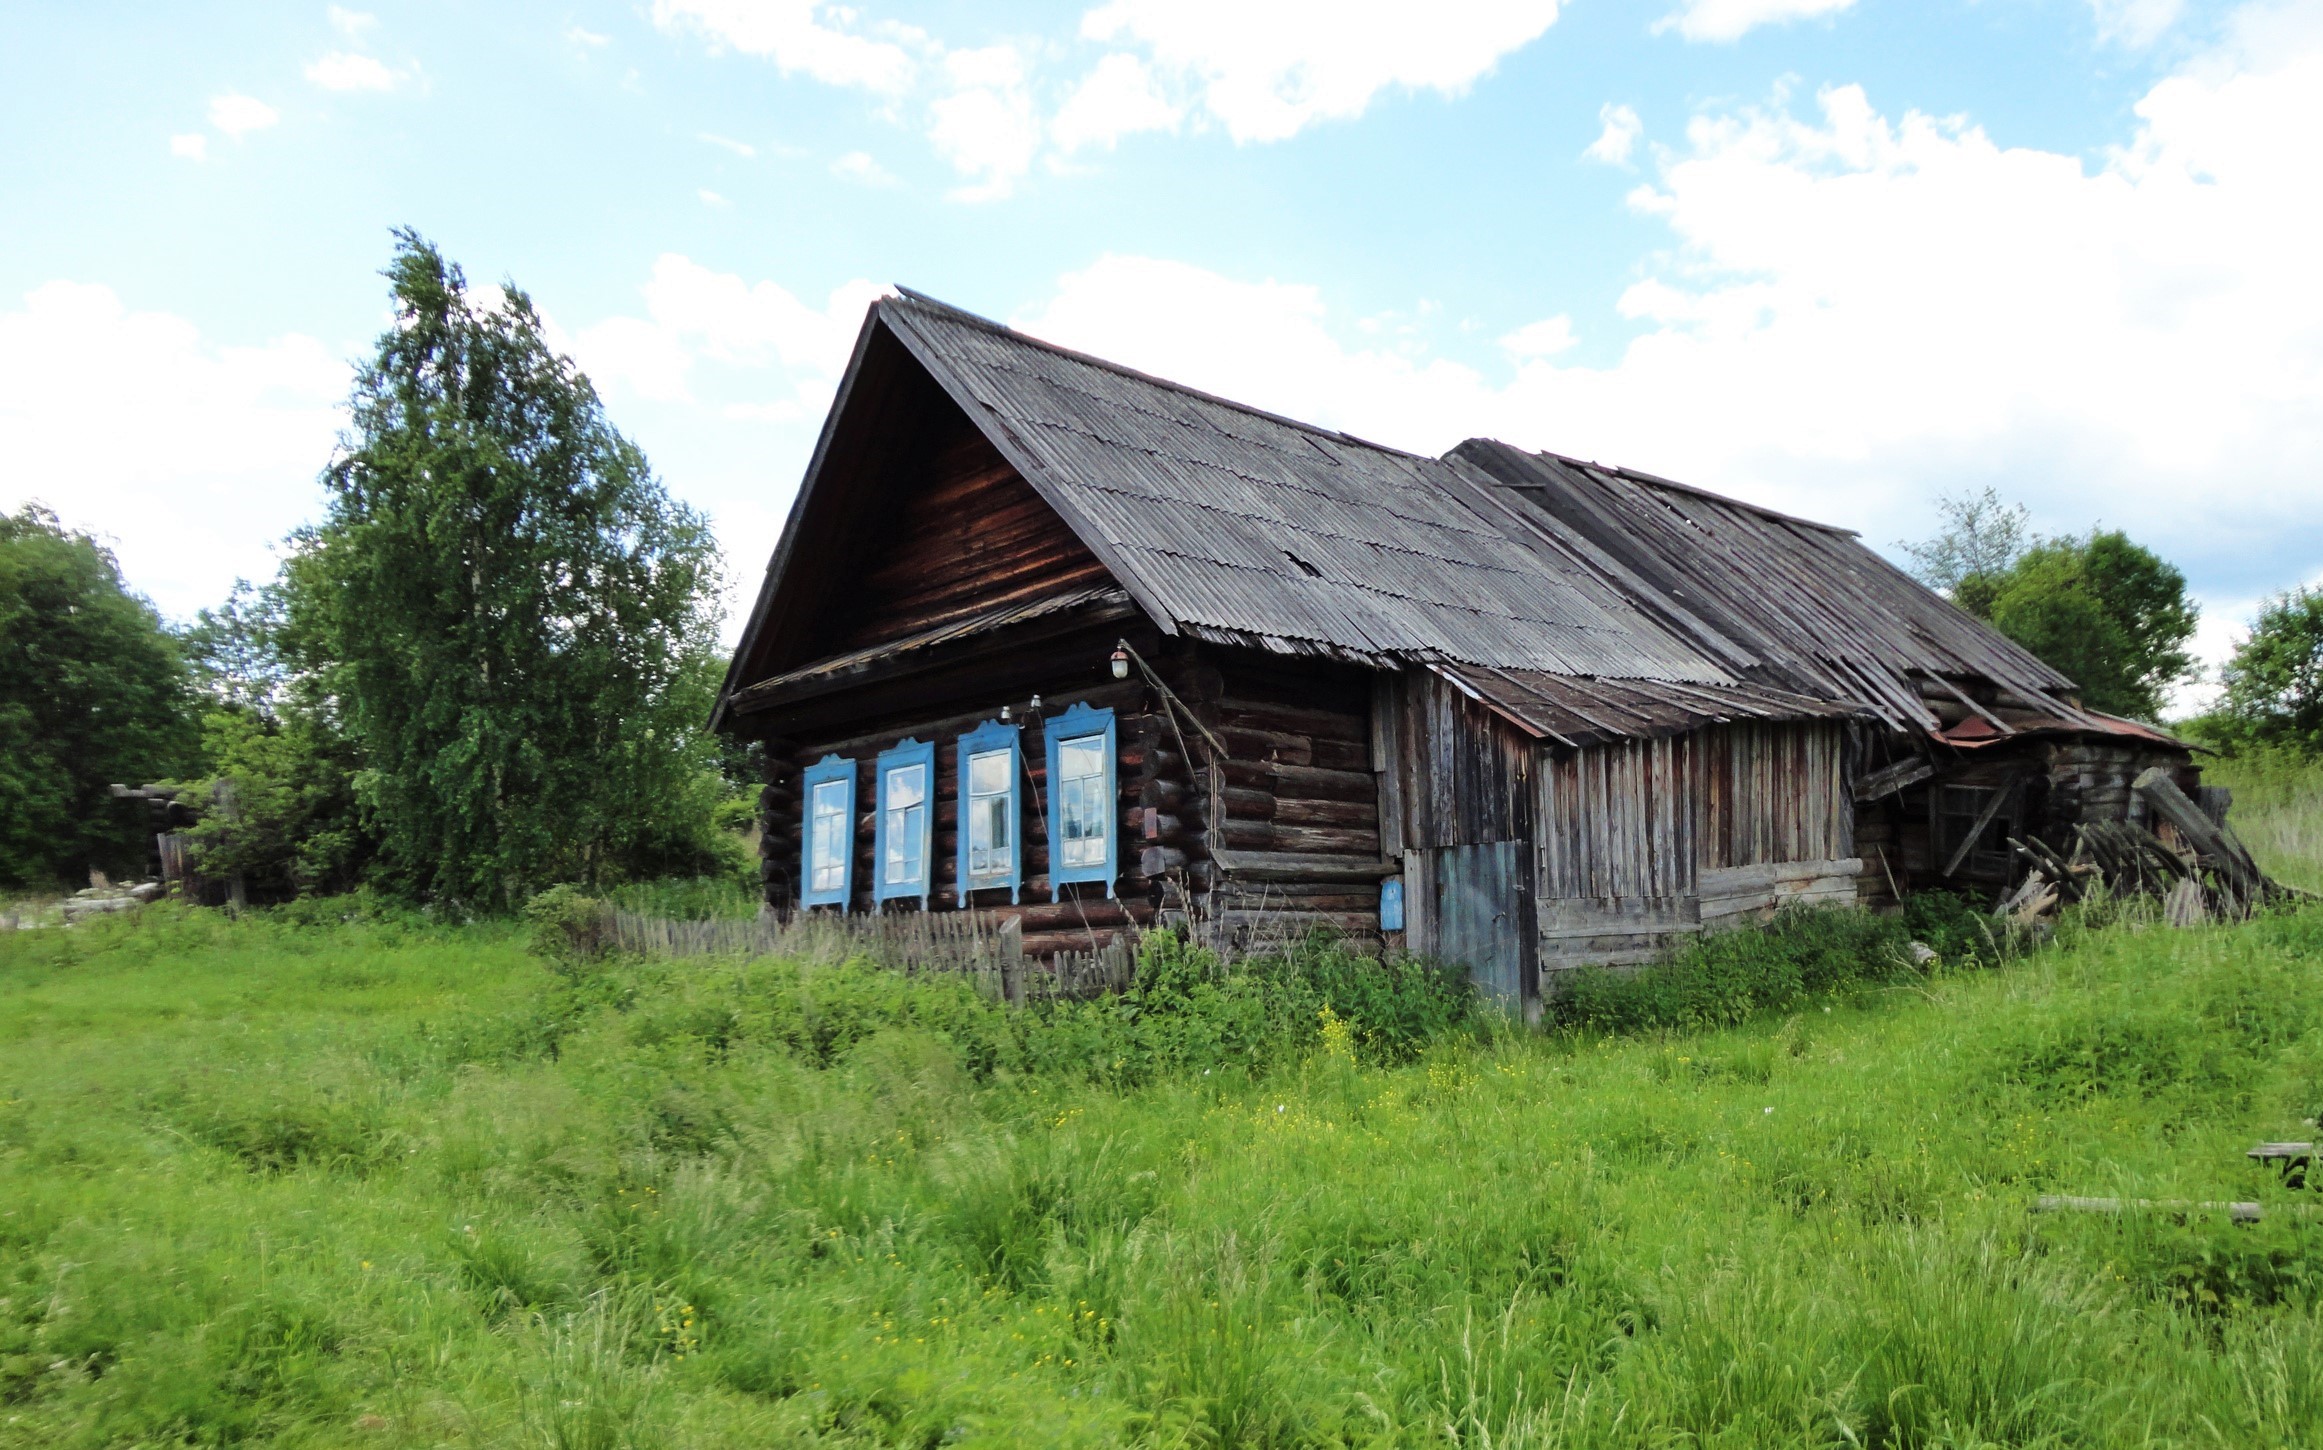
[{"x": 2206, "y": 875}]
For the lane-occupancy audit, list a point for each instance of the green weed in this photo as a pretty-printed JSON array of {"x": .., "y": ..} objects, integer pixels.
[{"x": 342, "y": 1178}]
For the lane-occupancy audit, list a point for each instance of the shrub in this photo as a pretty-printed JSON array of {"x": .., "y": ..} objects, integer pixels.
[
  {"x": 1722, "y": 978},
  {"x": 569, "y": 926}
]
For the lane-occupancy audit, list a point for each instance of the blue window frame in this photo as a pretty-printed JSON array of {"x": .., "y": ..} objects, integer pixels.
[
  {"x": 827, "y": 834},
  {"x": 1083, "y": 836},
  {"x": 991, "y": 853},
  {"x": 903, "y": 833}
]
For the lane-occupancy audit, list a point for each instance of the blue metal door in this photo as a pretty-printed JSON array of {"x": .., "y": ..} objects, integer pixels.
[{"x": 1483, "y": 917}]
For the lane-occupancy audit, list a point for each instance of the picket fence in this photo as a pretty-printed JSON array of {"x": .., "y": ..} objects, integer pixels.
[{"x": 985, "y": 946}]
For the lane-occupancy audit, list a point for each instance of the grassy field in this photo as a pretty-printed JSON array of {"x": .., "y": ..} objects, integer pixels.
[
  {"x": 390, "y": 1184},
  {"x": 2278, "y": 810}
]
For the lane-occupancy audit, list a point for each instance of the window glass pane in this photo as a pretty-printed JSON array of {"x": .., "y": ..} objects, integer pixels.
[
  {"x": 907, "y": 791},
  {"x": 990, "y": 839},
  {"x": 988, "y": 772},
  {"x": 829, "y": 844},
  {"x": 1081, "y": 806}
]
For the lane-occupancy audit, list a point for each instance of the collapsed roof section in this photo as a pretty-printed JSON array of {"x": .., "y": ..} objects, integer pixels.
[{"x": 1807, "y": 605}]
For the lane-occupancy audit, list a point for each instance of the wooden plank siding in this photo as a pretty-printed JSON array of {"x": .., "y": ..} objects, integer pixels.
[
  {"x": 974, "y": 537},
  {"x": 1644, "y": 840}
]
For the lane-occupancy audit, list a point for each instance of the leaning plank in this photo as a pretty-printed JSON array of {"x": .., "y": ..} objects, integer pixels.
[
  {"x": 1889, "y": 779},
  {"x": 2205, "y": 836}
]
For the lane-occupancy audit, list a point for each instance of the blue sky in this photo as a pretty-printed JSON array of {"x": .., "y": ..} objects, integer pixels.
[{"x": 1837, "y": 255}]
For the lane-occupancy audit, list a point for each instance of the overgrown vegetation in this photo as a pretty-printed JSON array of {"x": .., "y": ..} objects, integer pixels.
[
  {"x": 93, "y": 692},
  {"x": 1802, "y": 956},
  {"x": 335, "y": 1174},
  {"x": 2273, "y": 695},
  {"x": 2108, "y": 613},
  {"x": 2278, "y": 808}
]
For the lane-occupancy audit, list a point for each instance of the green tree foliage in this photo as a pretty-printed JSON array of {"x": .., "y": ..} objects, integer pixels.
[
  {"x": 279, "y": 808},
  {"x": 1982, "y": 536},
  {"x": 2274, "y": 682},
  {"x": 510, "y": 618},
  {"x": 92, "y": 692},
  {"x": 2106, "y": 612}
]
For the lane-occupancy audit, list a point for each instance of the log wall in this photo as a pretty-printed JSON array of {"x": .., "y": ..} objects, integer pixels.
[{"x": 973, "y": 537}]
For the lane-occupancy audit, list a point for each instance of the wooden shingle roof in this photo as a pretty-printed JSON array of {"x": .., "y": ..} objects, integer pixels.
[
  {"x": 1241, "y": 527},
  {"x": 1784, "y": 601}
]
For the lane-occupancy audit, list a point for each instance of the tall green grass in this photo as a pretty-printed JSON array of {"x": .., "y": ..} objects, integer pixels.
[
  {"x": 382, "y": 1182},
  {"x": 2278, "y": 810}
]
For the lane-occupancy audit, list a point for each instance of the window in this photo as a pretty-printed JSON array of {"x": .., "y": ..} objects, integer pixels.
[
  {"x": 988, "y": 810},
  {"x": 1958, "y": 810},
  {"x": 1082, "y": 807},
  {"x": 828, "y": 861},
  {"x": 903, "y": 844}
]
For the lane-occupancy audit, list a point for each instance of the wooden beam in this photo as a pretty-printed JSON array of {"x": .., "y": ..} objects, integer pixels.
[
  {"x": 1989, "y": 718},
  {"x": 2206, "y": 836},
  {"x": 1298, "y": 866},
  {"x": 1889, "y": 779}
]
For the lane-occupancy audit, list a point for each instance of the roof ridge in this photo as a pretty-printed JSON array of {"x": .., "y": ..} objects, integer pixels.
[
  {"x": 1655, "y": 480},
  {"x": 962, "y": 314}
]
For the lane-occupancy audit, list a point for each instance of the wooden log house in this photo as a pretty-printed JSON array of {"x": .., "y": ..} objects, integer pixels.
[{"x": 1055, "y": 639}]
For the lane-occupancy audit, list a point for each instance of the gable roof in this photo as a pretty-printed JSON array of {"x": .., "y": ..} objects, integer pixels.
[
  {"x": 1237, "y": 526},
  {"x": 1812, "y": 608}
]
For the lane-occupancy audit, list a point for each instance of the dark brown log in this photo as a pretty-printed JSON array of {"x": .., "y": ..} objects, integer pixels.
[
  {"x": 1306, "y": 782},
  {"x": 1050, "y": 943},
  {"x": 1326, "y": 813},
  {"x": 1298, "y": 923},
  {"x": 1288, "y": 866},
  {"x": 1245, "y": 743},
  {"x": 1292, "y": 720},
  {"x": 1072, "y": 915},
  {"x": 1156, "y": 860}
]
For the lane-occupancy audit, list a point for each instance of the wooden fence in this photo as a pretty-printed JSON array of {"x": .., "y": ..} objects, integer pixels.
[{"x": 986, "y": 946}]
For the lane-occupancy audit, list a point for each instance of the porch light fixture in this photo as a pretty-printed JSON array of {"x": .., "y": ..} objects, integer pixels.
[{"x": 1121, "y": 662}]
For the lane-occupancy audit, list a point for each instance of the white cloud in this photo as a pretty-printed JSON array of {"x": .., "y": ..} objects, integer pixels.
[
  {"x": 1267, "y": 71},
  {"x": 2135, "y": 22},
  {"x": 351, "y": 22},
  {"x": 694, "y": 314},
  {"x": 1266, "y": 343},
  {"x": 861, "y": 168},
  {"x": 343, "y": 70},
  {"x": 807, "y": 37},
  {"x": 742, "y": 149},
  {"x": 1728, "y": 20},
  {"x": 986, "y": 127},
  {"x": 582, "y": 36},
  {"x": 192, "y": 145},
  {"x": 712, "y": 199},
  {"x": 238, "y": 116},
  {"x": 1622, "y": 128},
  {"x": 1863, "y": 311},
  {"x": 1120, "y": 96},
  {"x": 1545, "y": 338},
  {"x": 194, "y": 456}
]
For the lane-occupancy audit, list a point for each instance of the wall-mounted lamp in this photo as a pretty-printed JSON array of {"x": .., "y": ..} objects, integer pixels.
[{"x": 1121, "y": 662}]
